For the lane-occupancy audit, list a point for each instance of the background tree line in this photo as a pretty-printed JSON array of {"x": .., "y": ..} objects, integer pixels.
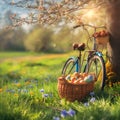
[{"x": 39, "y": 39}]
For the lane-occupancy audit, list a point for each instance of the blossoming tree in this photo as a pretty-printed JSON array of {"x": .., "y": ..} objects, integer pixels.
[{"x": 74, "y": 11}]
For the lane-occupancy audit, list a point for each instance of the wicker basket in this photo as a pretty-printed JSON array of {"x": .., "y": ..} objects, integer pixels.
[
  {"x": 102, "y": 40},
  {"x": 72, "y": 92}
]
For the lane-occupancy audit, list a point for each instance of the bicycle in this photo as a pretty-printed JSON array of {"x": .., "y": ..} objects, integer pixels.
[{"x": 95, "y": 62}]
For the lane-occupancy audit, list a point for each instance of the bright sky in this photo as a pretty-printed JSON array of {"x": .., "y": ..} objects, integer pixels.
[{"x": 5, "y": 7}]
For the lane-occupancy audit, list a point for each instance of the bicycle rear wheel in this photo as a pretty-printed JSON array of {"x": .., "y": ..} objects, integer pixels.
[
  {"x": 96, "y": 65},
  {"x": 70, "y": 66}
]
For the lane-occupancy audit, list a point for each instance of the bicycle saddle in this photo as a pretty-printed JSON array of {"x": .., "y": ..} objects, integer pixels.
[{"x": 80, "y": 46}]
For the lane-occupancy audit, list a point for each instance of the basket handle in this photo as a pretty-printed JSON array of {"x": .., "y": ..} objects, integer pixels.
[{"x": 62, "y": 79}]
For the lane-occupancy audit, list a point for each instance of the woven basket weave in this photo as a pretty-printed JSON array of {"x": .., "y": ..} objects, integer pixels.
[
  {"x": 72, "y": 92},
  {"x": 102, "y": 40}
]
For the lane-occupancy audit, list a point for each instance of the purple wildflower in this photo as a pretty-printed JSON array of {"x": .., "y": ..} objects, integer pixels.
[
  {"x": 92, "y": 100},
  {"x": 19, "y": 90},
  {"x": 56, "y": 118},
  {"x": 30, "y": 86},
  {"x": 42, "y": 90},
  {"x": 64, "y": 113},
  {"x": 45, "y": 95},
  {"x": 24, "y": 90},
  {"x": 86, "y": 104},
  {"x": 71, "y": 112},
  {"x": 10, "y": 90}
]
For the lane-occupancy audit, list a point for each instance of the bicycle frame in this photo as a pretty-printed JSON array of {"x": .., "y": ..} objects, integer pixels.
[{"x": 79, "y": 63}]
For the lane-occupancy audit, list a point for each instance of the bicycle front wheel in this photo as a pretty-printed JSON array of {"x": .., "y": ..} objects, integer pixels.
[
  {"x": 96, "y": 65},
  {"x": 70, "y": 66}
]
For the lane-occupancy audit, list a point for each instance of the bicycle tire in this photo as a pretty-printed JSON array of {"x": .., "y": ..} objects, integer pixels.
[
  {"x": 93, "y": 60},
  {"x": 70, "y": 66}
]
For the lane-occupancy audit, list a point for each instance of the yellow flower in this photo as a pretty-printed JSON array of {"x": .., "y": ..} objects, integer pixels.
[
  {"x": 23, "y": 72},
  {"x": 1, "y": 89},
  {"x": 27, "y": 82},
  {"x": 16, "y": 95},
  {"x": 18, "y": 85},
  {"x": 31, "y": 93}
]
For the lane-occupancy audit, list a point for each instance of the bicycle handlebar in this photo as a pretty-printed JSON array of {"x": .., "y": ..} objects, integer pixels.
[
  {"x": 88, "y": 25},
  {"x": 95, "y": 27}
]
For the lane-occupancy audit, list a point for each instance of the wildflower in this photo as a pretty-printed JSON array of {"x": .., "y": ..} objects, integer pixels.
[
  {"x": 86, "y": 104},
  {"x": 92, "y": 100},
  {"x": 56, "y": 118},
  {"x": 30, "y": 86},
  {"x": 92, "y": 94},
  {"x": 27, "y": 82},
  {"x": 42, "y": 90},
  {"x": 19, "y": 90},
  {"x": 10, "y": 91},
  {"x": 7, "y": 90},
  {"x": 71, "y": 112},
  {"x": 16, "y": 95},
  {"x": 25, "y": 90},
  {"x": 64, "y": 113},
  {"x": 1, "y": 90},
  {"x": 31, "y": 93},
  {"x": 45, "y": 95},
  {"x": 18, "y": 85}
]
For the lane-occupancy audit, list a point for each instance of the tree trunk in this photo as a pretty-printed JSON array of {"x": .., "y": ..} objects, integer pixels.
[{"x": 113, "y": 26}]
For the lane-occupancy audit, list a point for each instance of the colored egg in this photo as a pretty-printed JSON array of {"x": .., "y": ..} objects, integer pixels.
[
  {"x": 68, "y": 77},
  {"x": 88, "y": 78}
]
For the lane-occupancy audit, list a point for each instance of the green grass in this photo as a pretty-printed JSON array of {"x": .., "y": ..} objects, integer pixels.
[{"x": 23, "y": 75}]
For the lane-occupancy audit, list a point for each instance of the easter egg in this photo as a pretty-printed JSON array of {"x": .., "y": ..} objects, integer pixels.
[
  {"x": 68, "y": 77},
  {"x": 75, "y": 74},
  {"x": 73, "y": 79},
  {"x": 77, "y": 81},
  {"x": 84, "y": 75},
  {"x": 69, "y": 81},
  {"x": 94, "y": 76},
  {"x": 88, "y": 78},
  {"x": 81, "y": 81}
]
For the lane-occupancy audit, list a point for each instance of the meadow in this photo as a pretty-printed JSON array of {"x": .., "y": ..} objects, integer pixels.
[{"x": 28, "y": 91}]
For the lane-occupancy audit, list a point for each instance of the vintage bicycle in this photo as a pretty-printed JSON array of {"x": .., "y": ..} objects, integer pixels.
[{"x": 93, "y": 63}]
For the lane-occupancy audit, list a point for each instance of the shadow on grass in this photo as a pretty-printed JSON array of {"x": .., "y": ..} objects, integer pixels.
[
  {"x": 35, "y": 64},
  {"x": 110, "y": 94}
]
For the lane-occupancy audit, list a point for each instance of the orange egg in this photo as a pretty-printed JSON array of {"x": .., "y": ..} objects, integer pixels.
[
  {"x": 85, "y": 74},
  {"x": 76, "y": 82},
  {"x": 82, "y": 82},
  {"x": 76, "y": 74},
  {"x": 81, "y": 77},
  {"x": 73, "y": 79}
]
